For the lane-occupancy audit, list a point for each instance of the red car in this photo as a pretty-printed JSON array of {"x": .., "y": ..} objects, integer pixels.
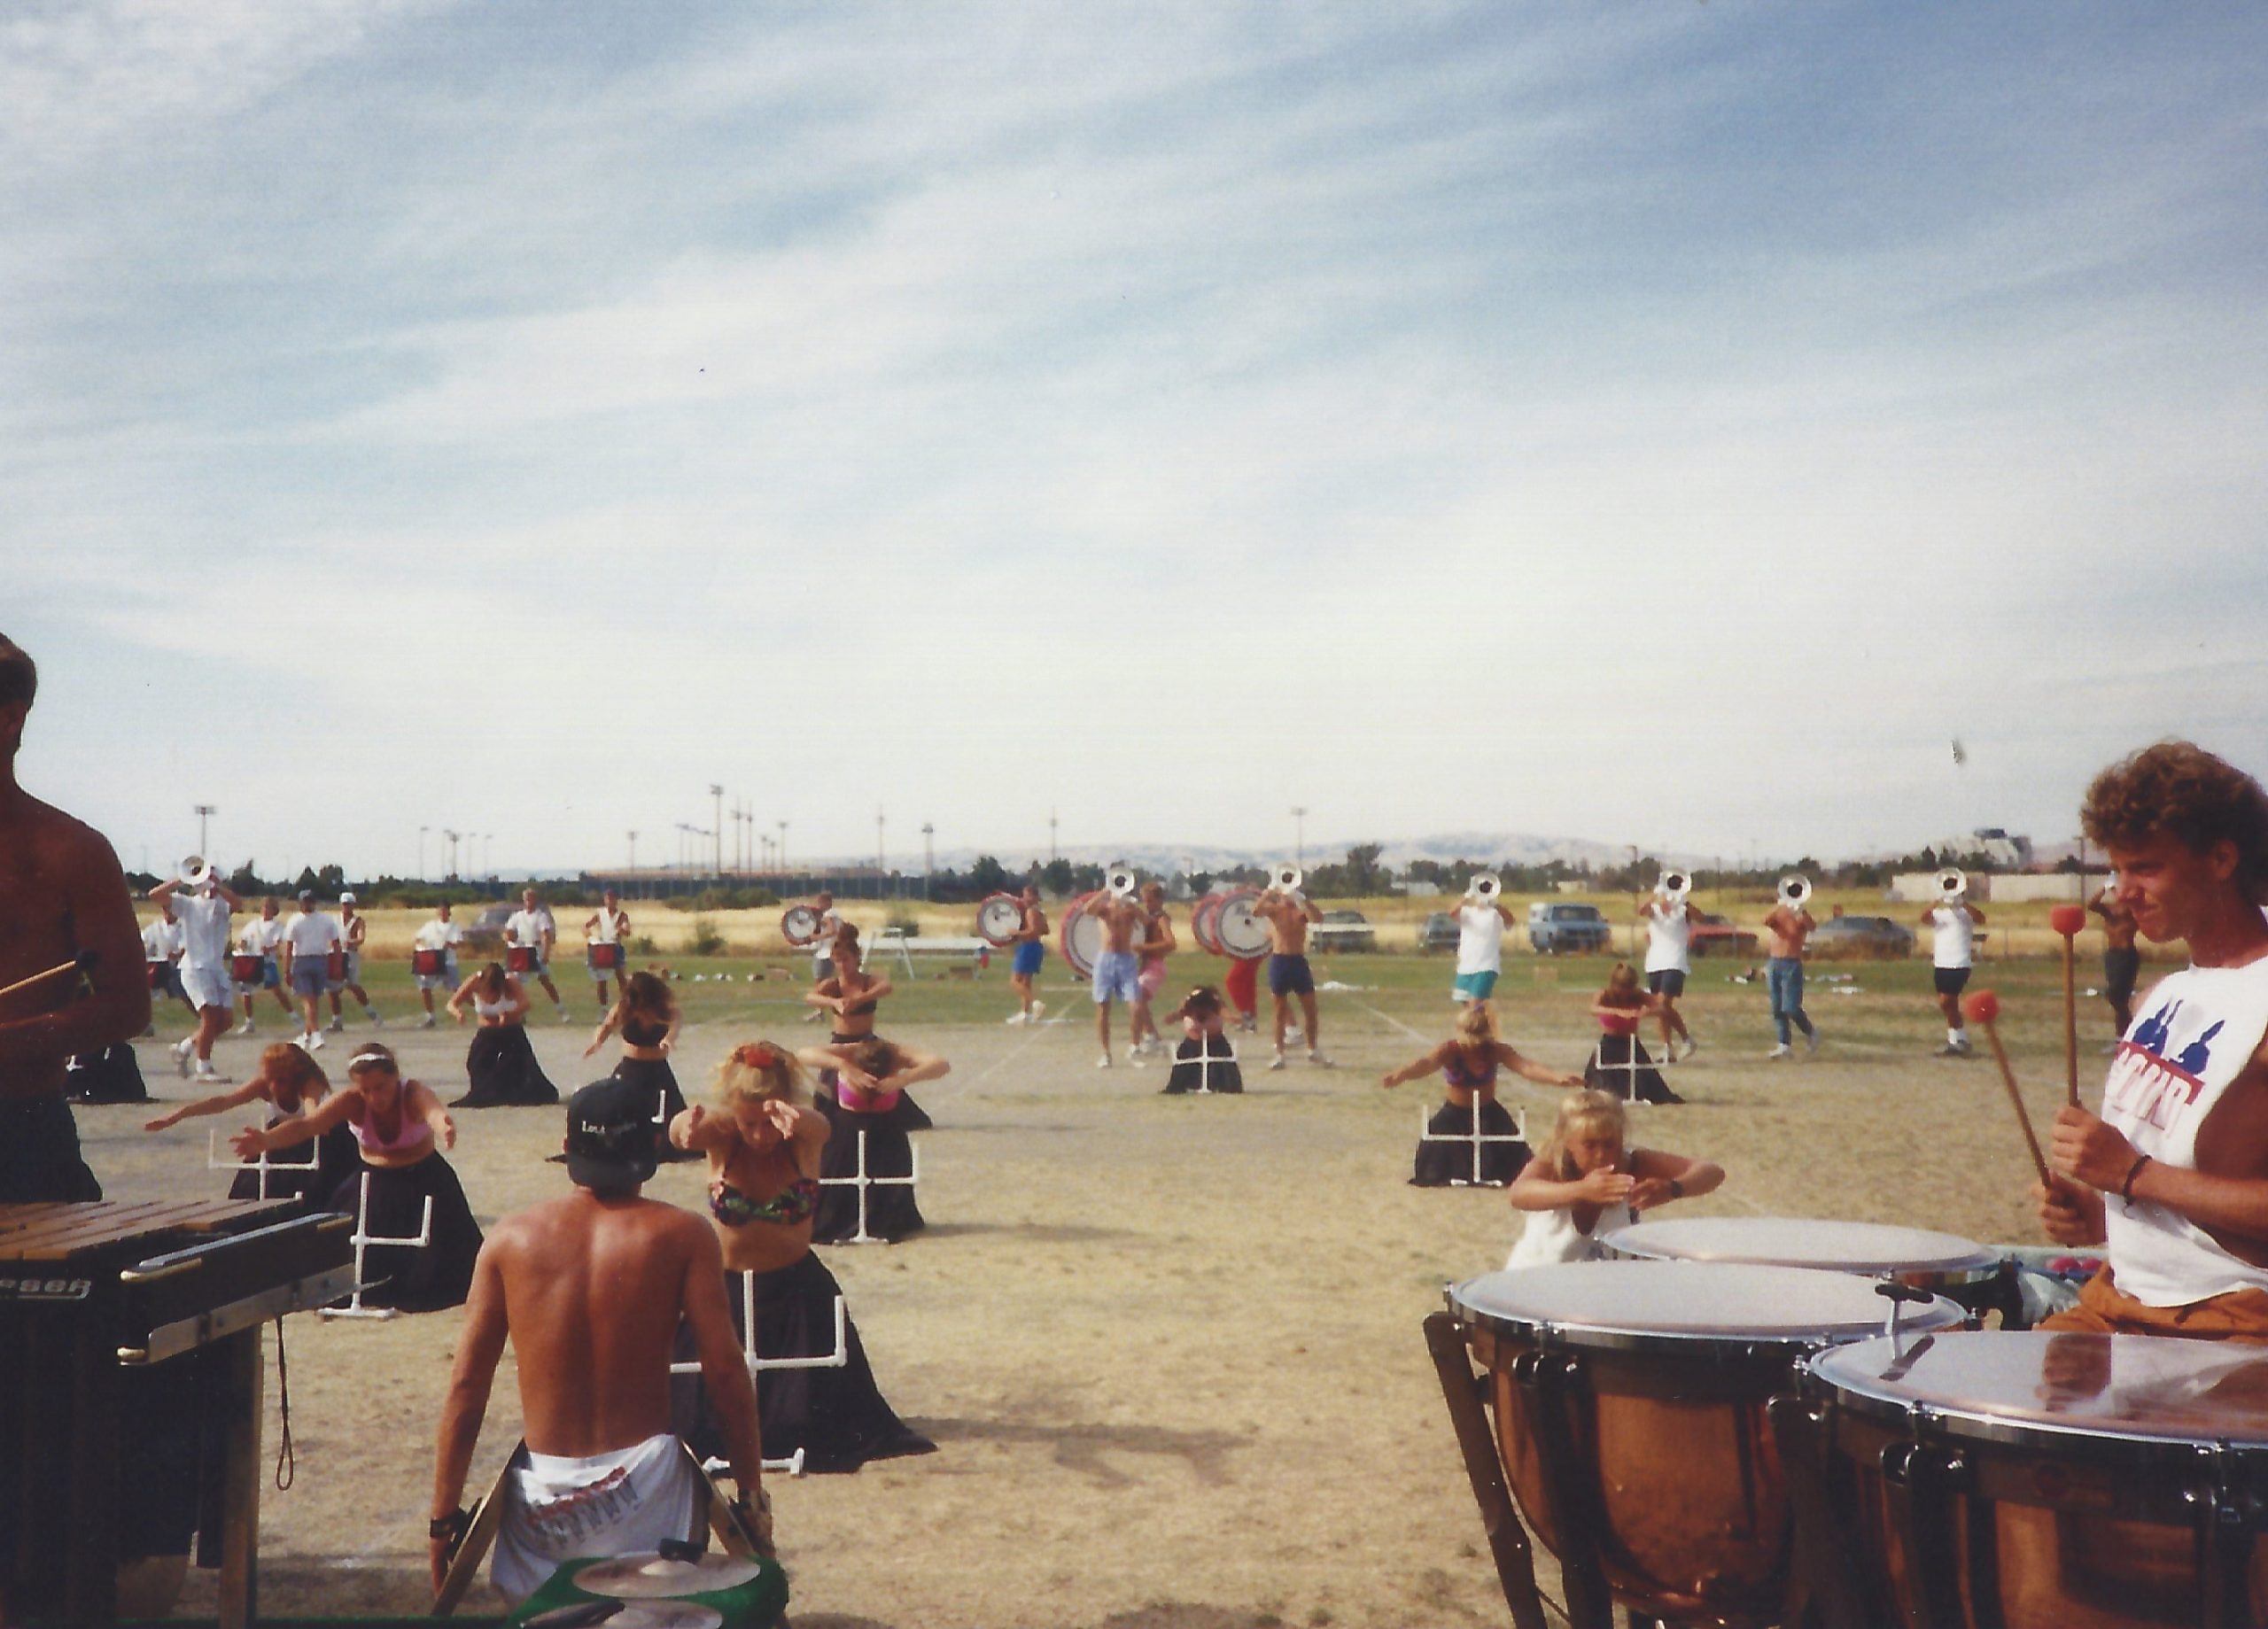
[{"x": 1715, "y": 936}]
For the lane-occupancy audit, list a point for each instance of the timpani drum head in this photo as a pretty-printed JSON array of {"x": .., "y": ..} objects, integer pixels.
[
  {"x": 1204, "y": 917},
  {"x": 1632, "y": 1306},
  {"x": 1242, "y": 935},
  {"x": 1081, "y": 937},
  {"x": 1912, "y": 1255},
  {"x": 799, "y": 925},
  {"x": 2034, "y": 1386},
  {"x": 650, "y": 1576},
  {"x": 997, "y": 920}
]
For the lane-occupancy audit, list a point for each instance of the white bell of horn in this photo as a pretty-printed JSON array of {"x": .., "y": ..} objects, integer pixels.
[
  {"x": 195, "y": 872},
  {"x": 1121, "y": 882},
  {"x": 1953, "y": 882},
  {"x": 1795, "y": 890},
  {"x": 1674, "y": 887},
  {"x": 1485, "y": 886},
  {"x": 1288, "y": 878}
]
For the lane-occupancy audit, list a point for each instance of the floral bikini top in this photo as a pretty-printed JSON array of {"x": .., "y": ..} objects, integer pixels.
[{"x": 792, "y": 1205}]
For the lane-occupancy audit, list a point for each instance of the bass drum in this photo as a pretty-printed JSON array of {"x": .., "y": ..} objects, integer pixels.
[
  {"x": 997, "y": 920},
  {"x": 1081, "y": 937},
  {"x": 799, "y": 925},
  {"x": 1204, "y": 923},
  {"x": 1243, "y": 935}
]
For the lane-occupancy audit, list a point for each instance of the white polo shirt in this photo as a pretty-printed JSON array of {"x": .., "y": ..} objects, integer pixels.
[
  {"x": 1956, "y": 936},
  {"x": 313, "y": 932},
  {"x": 529, "y": 926},
  {"x": 204, "y": 925},
  {"x": 439, "y": 935}
]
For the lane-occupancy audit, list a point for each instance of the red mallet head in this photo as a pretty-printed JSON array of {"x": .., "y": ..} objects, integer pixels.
[
  {"x": 2068, "y": 920},
  {"x": 1980, "y": 1006}
]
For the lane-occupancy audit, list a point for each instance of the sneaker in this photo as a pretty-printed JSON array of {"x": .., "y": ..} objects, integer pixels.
[
  {"x": 562, "y": 1016},
  {"x": 245, "y": 1029},
  {"x": 338, "y": 1025},
  {"x": 1134, "y": 1061},
  {"x": 1316, "y": 1057},
  {"x": 1038, "y": 1007},
  {"x": 377, "y": 1020},
  {"x": 181, "y": 1057},
  {"x": 1687, "y": 1048},
  {"x": 1781, "y": 1050},
  {"x": 1103, "y": 1062},
  {"x": 1950, "y": 1050},
  {"x": 206, "y": 1071},
  {"x": 316, "y": 1042},
  {"x": 1276, "y": 1062},
  {"x": 427, "y": 1023},
  {"x": 1019, "y": 1017},
  {"x": 1810, "y": 1044}
]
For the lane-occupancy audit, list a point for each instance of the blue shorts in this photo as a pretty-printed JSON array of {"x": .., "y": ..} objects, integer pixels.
[
  {"x": 1290, "y": 975},
  {"x": 309, "y": 975},
  {"x": 271, "y": 974},
  {"x": 1666, "y": 981},
  {"x": 1117, "y": 978},
  {"x": 1476, "y": 986},
  {"x": 1030, "y": 954}
]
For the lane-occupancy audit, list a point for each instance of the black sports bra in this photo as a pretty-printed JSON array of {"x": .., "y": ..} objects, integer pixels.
[{"x": 638, "y": 1032}]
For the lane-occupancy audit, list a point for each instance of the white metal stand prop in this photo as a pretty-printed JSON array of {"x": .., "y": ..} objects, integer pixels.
[
  {"x": 263, "y": 1165},
  {"x": 861, "y": 1181},
  {"x": 1205, "y": 1064},
  {"x": 363, "y": 1240},
  {"x": 837, "y": 1359},
  {"x": 1479, "y": 1140},
  {"x": 1629, "y": 1068}
]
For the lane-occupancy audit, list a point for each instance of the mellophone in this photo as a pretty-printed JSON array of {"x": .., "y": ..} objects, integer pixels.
[
  {"x": 119, "y": 1321},
  {"x": 1704, "y": 1438}
]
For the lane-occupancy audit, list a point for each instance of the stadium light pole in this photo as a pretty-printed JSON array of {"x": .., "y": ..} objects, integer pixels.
[
  {"x": 421, "y": 851},
  {"x": 881, "y": 856},
  {"x": 204, "y": 811},
  {"x": 928, "y": 855},
  {"x": 1050, "y": 837},
  {"x": 780, "y": 854},
  {"x": 718, "y": 793},
  {"x": 1300, "y": 836}
]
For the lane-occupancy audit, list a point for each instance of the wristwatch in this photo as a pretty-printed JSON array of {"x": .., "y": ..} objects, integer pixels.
[
  {"x": 1676, "y": 1188},
  {"x": 451, "y": 1526}
]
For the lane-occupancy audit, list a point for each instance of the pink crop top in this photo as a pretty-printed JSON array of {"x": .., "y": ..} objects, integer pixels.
[
  {"x": 366, "y": 1131},
  {"x": 858, "y": 1102}
]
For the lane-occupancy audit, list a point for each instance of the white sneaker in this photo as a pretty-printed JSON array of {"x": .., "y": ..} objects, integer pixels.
[
  {"x": 1687, "y": 1048},
  {"x": 181, "y": 1057},
  {"x": 1316, "y": 1057},
  {"x": 1038, "y": 1007},
  {"x": 1019, "y": 1017},
  {"x": 246, "y": 1027},
  {"x": 1276, "y": 1062},
  {"x": 378, "y": 1020},
  {"x": 338, "y": 1025},
  {"x": 427, "y": 1023},
  {"x": 1134, "y": 1061},
  {"x": 1103, "y": 1062},
  {"x": 562, "y": 1015},
  {"x": 1781, "y": 1050},
  {"x": 1810, "y": 1044},
  {"x": 314, "y": 1042},
  {"x": 207, "y": 1072}
]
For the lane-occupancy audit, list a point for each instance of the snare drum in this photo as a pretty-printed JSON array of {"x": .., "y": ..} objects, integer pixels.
[
  {"x": 1944, "y": 1262},
  {"x": 2033, "y": 1480},
  {"x": 997, "y": 918},
  {"x": 1629, "y": 1420},
  {"x": 428, "y": 964},
  {"x": 244, "y": 968},
  {"x": 522, "y": 958},
  {"x": 604, "y": 956}
]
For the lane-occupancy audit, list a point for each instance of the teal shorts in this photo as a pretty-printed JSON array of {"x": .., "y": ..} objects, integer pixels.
[{"x": 1476, "y": 986}]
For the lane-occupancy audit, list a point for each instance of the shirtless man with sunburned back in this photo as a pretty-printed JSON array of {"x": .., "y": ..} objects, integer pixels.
[
  {"x": 590, "y": 1288},
  {"x": 61, "y": 894},
  {"x": 1117, "y": 977},
  {"x": 1288, "y": 914}
]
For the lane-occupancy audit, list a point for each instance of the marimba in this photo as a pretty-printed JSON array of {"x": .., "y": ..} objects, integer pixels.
[{"x": 113, "y": 1310}]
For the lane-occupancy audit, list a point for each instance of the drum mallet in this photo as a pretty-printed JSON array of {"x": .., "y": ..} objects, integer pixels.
[
  {"x": 1981, "y": 1008},
  {"x": 83, "y": 962},
  {"x": 2067, "y": 920}
]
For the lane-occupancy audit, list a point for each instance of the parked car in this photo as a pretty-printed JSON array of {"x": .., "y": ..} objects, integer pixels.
[
  {"x": 484, "y": 936},
  {"x": 1715, "y": 936},
  {"x": 1439, "y": 932},
  {"x": 1343, "y": 930},
  {"x": 1861, "y": 937},
  {"x": 1553, "y": 928}
]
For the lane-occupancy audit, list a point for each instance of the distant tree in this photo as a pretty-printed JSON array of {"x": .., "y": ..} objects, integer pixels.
[
  {"x": 307, "y": 881},
  {"x": 989, "y": 876},
  {"x": 245, "y": 881},
  {"x": 1056, "y": 877}
]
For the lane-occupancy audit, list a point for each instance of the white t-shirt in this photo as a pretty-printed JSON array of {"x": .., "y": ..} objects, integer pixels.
[
  {"x": 439, "y": 935},
  {"x": 1669, "y": 939},
  {"x": 204, "y": 925},
  {"x": 313, "y": 932},
  {"x": 161, "y": 940},
  {"x": 529, "y": 926},
  {"x": 830, "y": 923},
  {"x": 261, "y": 935},
  {"x": 1956, "y": 936},
  {"x": 1480, "y": 940},
  {"x": 608, "y": 929}
]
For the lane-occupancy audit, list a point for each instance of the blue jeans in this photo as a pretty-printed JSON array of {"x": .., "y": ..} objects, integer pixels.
[{"x": 1783, "y": 976}]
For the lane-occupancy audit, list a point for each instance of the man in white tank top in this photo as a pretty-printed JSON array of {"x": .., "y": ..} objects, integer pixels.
[
  {"x": 1954, "y": 921},
  {"x": 1669, "y": 963},
  {"x": 2172, "y": 1176}
]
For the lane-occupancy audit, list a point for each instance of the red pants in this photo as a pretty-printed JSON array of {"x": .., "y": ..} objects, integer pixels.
[{"x": 1242, "y": 983}]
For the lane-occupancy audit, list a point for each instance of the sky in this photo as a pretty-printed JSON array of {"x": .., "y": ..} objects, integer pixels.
[{"x": 1670, "y": 424}]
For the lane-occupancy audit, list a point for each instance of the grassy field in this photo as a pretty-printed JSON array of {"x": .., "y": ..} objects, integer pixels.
[{"x": 1170, "y": 1347}]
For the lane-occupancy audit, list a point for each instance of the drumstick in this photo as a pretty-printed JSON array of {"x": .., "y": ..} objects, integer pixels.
[
  {"x": 1981, "y": 1009},
  {"x": 2067, "y": 920},
  {"x": 80, "y": 963}
]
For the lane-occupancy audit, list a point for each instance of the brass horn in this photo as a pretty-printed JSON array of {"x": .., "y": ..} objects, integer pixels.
[
  {"x": 195, "y": 872},
  {"x": 1287, "y": 879},
  {"x": 1795, "y": 891},
  {"x": 1485, "y": 886},
  {"x": 1953, "y": 884},
  {"x": 1122, "y": 881},
  {"x": 1674, "y": 886}
]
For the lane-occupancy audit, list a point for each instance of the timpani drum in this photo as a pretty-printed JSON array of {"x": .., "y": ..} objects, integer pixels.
[
  {"x": 997, "y": 918},
  {"x": 244, "y": 967},
  {"x": 1958, "y": 1268},
  {"x": 1629, "y": 1404},
  {"x": 1081, "y": 937},
  {"x": 1244, "y": 937},
  {"x": 799, "y": 925},
  {"x": 603, "y": 955},
  {"x": 2032, "y": 1480},
  {"x": 520, "y": 958}
]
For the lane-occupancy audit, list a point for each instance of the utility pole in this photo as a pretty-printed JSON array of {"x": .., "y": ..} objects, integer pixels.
[
  {"x": 1300, "y": 837},
  {"x": 421, "y": 851},
  {"x": 453, "y": 836},
  {"x": 1050, "y": 837},
  {"x": 881, "y": 856},
  {"x": 204, "y": 811},
  {"x": 718, "y": 793},
  {"x": 928, "y": 855},
  {"x": 780, "y": 854},
  {"x": 634, "y": 851}
]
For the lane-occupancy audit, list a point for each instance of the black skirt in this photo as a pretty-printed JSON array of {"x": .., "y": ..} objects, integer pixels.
[
  {"x": 414, "y": 1278},
  {"x": 501, "y": 1065},
  {"x": 1610, "y": 1070},
  {"x": 892, "y": 1212},
  {"x": 336, "y": 1161},
  {"x": 1440, "y": 1164},
  {"x": 1209, "y": 1061},
  {"x": 113, "y": 1075},
  {"x": 837, "y": 1416},
  {"x": 655, "y": 1074}
]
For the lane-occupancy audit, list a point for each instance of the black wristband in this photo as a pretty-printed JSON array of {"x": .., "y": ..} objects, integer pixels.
[
  {"x": 1676, "y": 1188},
  {"x": 451, "y": 1526},
  {"x": 2126, "y": 1188}
]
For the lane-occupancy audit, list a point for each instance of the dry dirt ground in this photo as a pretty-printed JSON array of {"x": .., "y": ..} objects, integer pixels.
[{"x": 1170, "y": 1347}]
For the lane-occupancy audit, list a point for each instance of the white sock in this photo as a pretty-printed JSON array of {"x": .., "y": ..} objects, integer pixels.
[{"x": 1955, "y": 1038}]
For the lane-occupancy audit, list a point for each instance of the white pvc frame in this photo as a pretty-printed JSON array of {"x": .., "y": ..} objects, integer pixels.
[
  {"x": 1479, "y": 1138},
  {"x": 862, "y": 1182},
  {"x": 263, "y": 1165},
  {"x": 363, "y": 1239},
  {"x": 840, "y": 1358}
]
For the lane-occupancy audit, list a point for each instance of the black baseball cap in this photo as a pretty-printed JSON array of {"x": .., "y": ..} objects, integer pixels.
[{"x": 611, "y": 1139}]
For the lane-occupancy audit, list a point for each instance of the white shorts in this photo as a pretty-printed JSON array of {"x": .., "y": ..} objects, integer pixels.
[
  {"x": 206, "y": 987},
  {"x": 558, "y": 1509}
]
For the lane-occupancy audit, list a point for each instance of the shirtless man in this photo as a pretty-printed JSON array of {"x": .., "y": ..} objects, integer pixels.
[
  {"x": 1150, "y": 952},
  {"x": 1786, "y": 930},
  {"x": 1288, "y": 915},
  {"x": 204, "y": 915},
  {"x": 609, "y": 924},
  {"x": 590, "y": 1289},
  {"x": 2172, "y": 1175},
  {"x": 354, "y": 927},
  {"x": 533, "y": 927},
  {"x": 1116, "y": 976},
  {"x": 2121, "y": 961},
  {"x": 1031, "y": 939},
  {"x": 62, "y": 894},
  {"x": 830, "y": 927}
]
